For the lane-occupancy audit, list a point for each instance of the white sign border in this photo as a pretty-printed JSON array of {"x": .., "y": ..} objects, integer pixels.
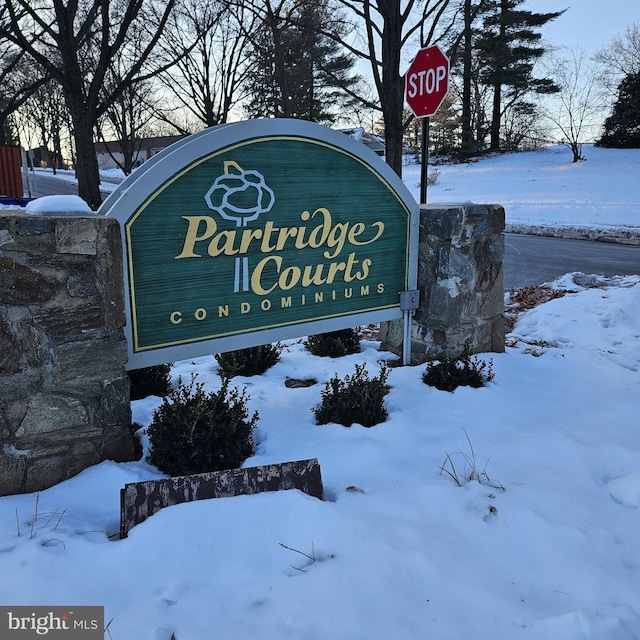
[{"x": 151, "y": 175}]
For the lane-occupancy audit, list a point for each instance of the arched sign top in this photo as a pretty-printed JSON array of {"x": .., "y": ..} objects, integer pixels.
[{"x": 257, "y": 231}]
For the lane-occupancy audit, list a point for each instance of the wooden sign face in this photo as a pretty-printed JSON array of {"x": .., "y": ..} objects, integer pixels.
[{"x": 249, "y": 233}]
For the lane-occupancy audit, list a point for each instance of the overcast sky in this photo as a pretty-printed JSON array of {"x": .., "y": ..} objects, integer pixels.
[{"x": 588, "y": 24}]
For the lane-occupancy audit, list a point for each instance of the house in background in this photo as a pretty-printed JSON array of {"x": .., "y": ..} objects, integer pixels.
[
  {"x": 374, "y": 142},
  {"x": 42, "y": 157},
  {"x": 109, "y": 152}
]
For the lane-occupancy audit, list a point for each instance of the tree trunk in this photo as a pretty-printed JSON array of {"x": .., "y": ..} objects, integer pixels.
[
  {"x": 280, "y": 71},
  {"x": 393, "y": 87},
  {"x": 576, "y": 150},
  {"x": 467, "y": 130},
  {"x": 86, "y": 160},
  {"x": 496, "y": 115}
]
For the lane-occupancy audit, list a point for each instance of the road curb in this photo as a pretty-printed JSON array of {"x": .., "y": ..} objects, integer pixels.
[{"x": 614, "y": 235}]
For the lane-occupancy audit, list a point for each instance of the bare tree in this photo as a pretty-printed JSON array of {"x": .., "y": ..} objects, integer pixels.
[
  {"x": 576, "y": 110},
  {"x": 47, "y": 114},
  {"x": 620, "y": 58},
  {"x": 131, "y": 110},
  {"x": 389, "y": 28},
  {"x": 74, "y": 41},
  {"x": 520, "y": 125},
  {"x": 126, "y": 122},
  {"x": 208, "y": 75},
  {"x": 20, "y": 77}
]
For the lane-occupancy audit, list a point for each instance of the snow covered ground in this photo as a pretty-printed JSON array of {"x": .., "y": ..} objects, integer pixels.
[
  {"x": 543, "y": 192},
  {"x": 401, "y": 551}
]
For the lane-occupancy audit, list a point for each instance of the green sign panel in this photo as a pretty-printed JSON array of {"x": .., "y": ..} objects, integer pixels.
[{"x": 249, "y": 233}]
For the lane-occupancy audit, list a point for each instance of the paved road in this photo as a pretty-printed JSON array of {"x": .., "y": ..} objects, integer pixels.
[
  {"x": 535, "y": 260},
  {"x": 43, "y": 185}
]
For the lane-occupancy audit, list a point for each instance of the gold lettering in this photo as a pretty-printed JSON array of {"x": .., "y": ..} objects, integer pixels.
[
  {"x": 351, "y": 261},
  {"x": 322, "y": 229},
  {"x": 285, "y": 303},
  {"x": 380, "y": 287},
  {"x": 266, "y": 247},
  {"x": 200, "y": 314},
  {"x": 301, "y": 243},
  {"x": 355, "y": 231},
  {"x": 289, "y": 278},
  {"x": 284, "y": 234},
  {"x": 223, "y": 311},
  {"x": 232, "y": 242},
  {"x": 364, "y": 289},
  {"x": 256, "y": 276},
  {"x": 316, "y": 278},
  {"x": 353, "y": 234},
  {"x": 337, "y": 238},
  {"x": 247, "y": 236},
  {"x": 192, "y": 234},
  {"x": 245, "y": 307},
  {"x": 366, "y": 263},
  {"x": 175, "y": 317},
  {"x": 334, "y": 268},
  {"x": 216, "y": 247},
  {"x": 319, "y": 297}
]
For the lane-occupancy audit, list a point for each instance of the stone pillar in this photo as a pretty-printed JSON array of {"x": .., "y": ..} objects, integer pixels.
[
  {"x": 64, "y": 393},
  {"x": 460, "y": 278}
]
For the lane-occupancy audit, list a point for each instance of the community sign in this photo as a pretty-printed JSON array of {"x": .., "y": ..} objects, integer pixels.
[{"x": 259, "y": 231}]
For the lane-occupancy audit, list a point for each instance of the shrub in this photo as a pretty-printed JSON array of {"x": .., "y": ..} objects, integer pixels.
[
  {"x": 448, "y": 374},
  {"x": 253, "y": 361},
  {"x": 150, "y": 381},
  {"x": 194, "y": 432},
  {"x": 354, "y": 399},
  {"x": 334, "y": 344}
]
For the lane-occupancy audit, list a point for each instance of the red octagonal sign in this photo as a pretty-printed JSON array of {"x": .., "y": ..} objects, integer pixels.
[{"x": 427, "y": 81}]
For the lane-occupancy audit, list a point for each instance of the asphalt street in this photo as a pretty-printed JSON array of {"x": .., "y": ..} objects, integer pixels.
[
  {"x": 43, "y": 185},
  {"x": 535, "y": 259}
]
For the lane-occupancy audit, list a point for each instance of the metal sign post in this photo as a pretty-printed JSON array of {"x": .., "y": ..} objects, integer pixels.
[{"x": 424, "y": 159}]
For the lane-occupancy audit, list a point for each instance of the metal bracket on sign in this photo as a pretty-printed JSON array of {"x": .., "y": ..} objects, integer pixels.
[{"x": 409, "y": 300}]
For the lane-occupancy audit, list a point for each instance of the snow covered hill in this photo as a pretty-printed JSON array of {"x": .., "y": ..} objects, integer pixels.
[{"x": 543, "y": 192}]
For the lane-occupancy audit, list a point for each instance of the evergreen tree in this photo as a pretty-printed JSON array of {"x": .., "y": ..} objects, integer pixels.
[
  {"x": 509, "y": 46},
  {"x": 622, "y": 127},
  {"x": 298, "y": 72},
  {"x": 465, "y": 70},
  {"x": 444, "y": 127},
  {"x": 471, "y": 10}
]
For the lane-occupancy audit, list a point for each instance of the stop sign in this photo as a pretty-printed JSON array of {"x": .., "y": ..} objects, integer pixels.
[{"x": 427, "y": 81}]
